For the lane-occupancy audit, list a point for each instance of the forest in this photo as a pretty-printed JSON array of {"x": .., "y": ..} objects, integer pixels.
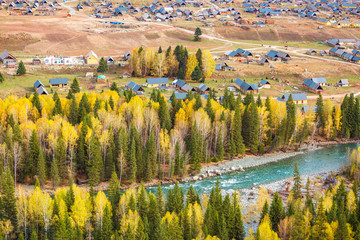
[
  {"x": 76, "y": 213},
  {"x": 88, "y": 137},
  {"x": 172, "y": 63}
]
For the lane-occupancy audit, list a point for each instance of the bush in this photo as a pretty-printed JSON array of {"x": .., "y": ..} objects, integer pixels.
[{"x": 215, "y": 159}]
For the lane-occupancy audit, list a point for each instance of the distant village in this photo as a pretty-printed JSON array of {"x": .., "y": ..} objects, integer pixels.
[{"x": 337, "y": 14}]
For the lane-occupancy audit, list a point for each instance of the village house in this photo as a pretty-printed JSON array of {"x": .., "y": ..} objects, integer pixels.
[
  {"x": 59, "y": 82},
  {"x": 110, "y": 60},
  {"x": 125, "y": 75},
  {"x": 136, "y": 89},
  {"x": 203, "y": 89},
  {"x": 183, "y": 86},
  {"x": 42, "y": 91},
  {"x": 306, "y": 109},
  {"x": 238, "y": 54},
  {"x": 264, "y": 83},
  {"x": 312, "y": 86},
  {"x": 91, "y": 58},
  {"x": 298, "y": 98},
  {"x": 343, "y": 83},
  {"x": 157, "y": 82},
  {"x": 38, "y": 84},
  {"x": 180, "y": 96},
  {"x": 8, "y": 59},
  {"x": 245, "y": 87},
  {"x": 264, "y": 61},
  {"x": 274, "y": 55},
  {"x": 223, "y": 67},
  {"x": 321, "y": 81},
  {"x": 36, "y": 61}
]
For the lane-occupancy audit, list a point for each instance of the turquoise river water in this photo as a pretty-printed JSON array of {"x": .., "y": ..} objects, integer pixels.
[{"x": 327, "y": 159}]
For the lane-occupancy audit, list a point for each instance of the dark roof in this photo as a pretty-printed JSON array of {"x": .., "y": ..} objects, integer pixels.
[
  {"x": 180, "y": 83},
  {"x": 4, "y": 55},
  {"x": 295, "y": 96},
  {"x": 180, "y": 95},
  {"x": 271, "y": 53},
  {"x": 42, "y": 91},
  {"x": 133, "y": 86},
  {"x": 311, "y": 84},
  {"x": 244, "y": 85},
  {"x": 37, "y": 84},
  {"x": 319, "y": 80},
  {"x": 203, "y": 87},
  {"x": 264, "y": 81},
  {"x": 157, "y": 81},
  {"x": 59, "y": 81}
]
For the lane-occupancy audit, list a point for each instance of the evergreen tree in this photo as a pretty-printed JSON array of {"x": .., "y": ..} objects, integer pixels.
[
  {"x": 239, "y": 147},
  {"x": 250, "y": 127},
  {"x": 196, "y": 74},
  {"x": 298, "y": 230},
  {"x": 107, "y": 226},
  {"x": 319, "y": 114},
  {"x": 41, "y": 168},
  {"x": 297, "y": 183},
  {"x": 276, "y": 211},
  {"x": 199, "y": 58},
  {"x": 209, "y": 110},
  {"x": 160, "y": 49},
  {"x": 34, "y": 155},
  {"x": 258, "y": 101},
  {"x": 75, "y": 87},
  {"x": 96, "y": 167},
  {"x": 220, "y": 152},
  {"x": 141, "y": 233},
  {"x": 97, "y": 107},
  {"x": 8, "y": 200},
  {"x": 103, "y": 66},
  {"x": 132, "y": 161},
  {"x": 73, "y": 113},
  {"x": 197, "y": 34},
  {"x": 60, "y": 156},
  {"x": 58, "y": 107},
  {"x": 264, "y": 211},
  {"x": 2, "y": 78},
  {"x": 21, "y": 69},
  {"x": 319, "y": 230},
  {"x": 195, "y": 149},
  {"x": 54, "y": 173},
  {"x": 150, "y": 157},
  {"x": 154, "y": 218},
  {"x": 36, "y": 102},
  {"x": 164, "y": 114},
  {"x": 291, "y": 119}
]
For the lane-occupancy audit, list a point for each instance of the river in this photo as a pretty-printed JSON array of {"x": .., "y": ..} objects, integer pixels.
[{"x": 327, "y": 159}]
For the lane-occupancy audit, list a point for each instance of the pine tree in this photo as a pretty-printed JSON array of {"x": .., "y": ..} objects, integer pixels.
[
  {"x": 2, "y": 78},
  {"x": 198, "y": 102},
  {"x": 209, "y": 110},
  {"x": 291, "y": 119},
  {"x": 220, "y": 152},
  {"x": 8, "y": 200},
  {"x": 297, "y": 183},
  {"x": 103, "y": 66},
  {"x": 178, "y": 167},
  {"x": 319, "y": 230},
  {"x": 75, "y": 87},
  {"x": 264, "y": 211},
  {"x": 195, "y": 149},
  {"x": 96, "y": 168},
  {"x": 34, "y": 155},
  {"x": 250, "y": 127},
  {"x": 36, "y": 102},
  {"x": 160, "y": 49},
  {"x": 238, "y": 229},
  {"x": 58, "y": 107},
  {"x": 164, "y": 114},
  {"x": 60, "y": 156},
  {"x": 154, "y": 218},
  {"x": 21, "y": 69},
  {"x": 41, "y": 168},
  {"x": 197, "y": 34},
  {"x": 199, "y": 58},
  {"x": 73, "y": 113},
  {"x": 150, "y": 157},
  {"x": 196, "y": 74},
  {"x": 276, "y": 211},
  {"x": 319, "y": 114},
  {"x": 239, "y": 147},
  {"x": 141, "y": 233},
  {"x": 298, "y": 230},
  {"x": 107, "y": 226},
  {"x": 132, "y": 161},
  {"x": 258, "y": 101},
  {"x": 54, "y": 173}
]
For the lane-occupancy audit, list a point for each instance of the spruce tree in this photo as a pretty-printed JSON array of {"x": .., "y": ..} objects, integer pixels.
[
  {"x": 54, "y": 173},
  {"x": 198, "y": 102},
  {"x": 250, "y": 127},
  {"x": 239, "y": 147},
  {"x": 41, "y": 168},
  {"x": 32, "y": 161},
  {"x": 220, "y": 152},
  {"x": 319, "y": 230},
  {"x": 160, "y": 199},
  {"x": 75, "y": 87},
  {"x": 209, "y": 110},
  {"x": 141, "y": 233},
  {"x": 60, "y": 155},
  {"x": 264, "y": 211},
  {"x": 196, "y": 74},
  {"x": 103, "y": 66},
  {"x": 178, "y": 167},
  {"x": 160, "y": 49},
  {"x": 276, "y": 212},
  {"x": 73, "y": 113},
  {"x": 21, "y": 69},
  {"x": 164, "y": 114},
  {"x": 199, "y": 58},
  {"x": 96, "y": 168},
  {"x": 290, "y": 119},
  {"x": 36, "y": 102},
  {"x": 150, "y": 157},
  {"x": 132, "y": 161},
  {"x": 319, "y": 114},
  {"x": 197, "y": 34},
  {"x": 154, "y": 218},
  {"x": 107, "y": 226},
  {"x": 8, "y": 200},
  {"x": 298, "y": 230},
  {"x": 2, "y": 78},
  {"x": 297, "y": 183}
]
